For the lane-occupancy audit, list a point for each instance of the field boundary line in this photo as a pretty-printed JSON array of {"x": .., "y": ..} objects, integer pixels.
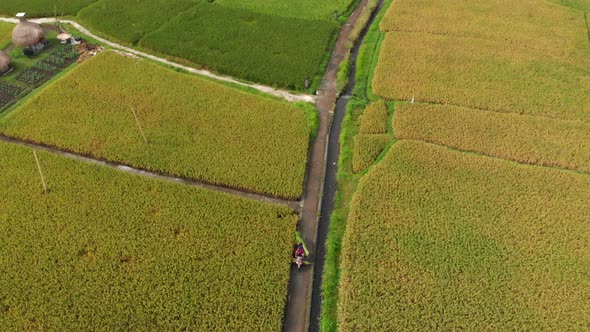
[
  {"x": 291, "y": 97},
  {"x": 482, "y": 154},
  {"x": 294, "y": 204},
  {"x": 428, "y": 102}
]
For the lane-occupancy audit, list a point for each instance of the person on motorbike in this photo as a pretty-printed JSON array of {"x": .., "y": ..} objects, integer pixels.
[{"x": 300, "y": 251}]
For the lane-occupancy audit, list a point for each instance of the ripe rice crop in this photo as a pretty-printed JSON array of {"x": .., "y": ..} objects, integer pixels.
[
  {"x": 40, "y": 8},
  {"x": 286, "y": 52},
  {"x": 367, "y": 148},
  {"x": 374, "y": 119},
  {"x": 481, "y": 74},
  {"x": 522, "y": 138},
  {"x": 195, "y": 128},
  {"x": 444, "y": 240},
  {"x": 307, "y": 9},
  {"x": 526, "y": 57},
  {"x": 129, "y": 21},
  {"x": 109, "y": 251}
]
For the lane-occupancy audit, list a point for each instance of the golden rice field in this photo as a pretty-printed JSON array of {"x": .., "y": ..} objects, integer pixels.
[
  {"x": 109, "y": 251},
  {"x": 366, "y": 149},
  {"x": 195, "y": 128},
  {"x": 529, "y": 57},
  {"x": 374, "y": 119},
  {"x": 444, "y": 240},
  {"x": 522, "y": 138}
]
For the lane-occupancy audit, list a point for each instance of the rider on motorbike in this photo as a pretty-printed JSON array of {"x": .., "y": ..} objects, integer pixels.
[{"x": 299, "y": 252}]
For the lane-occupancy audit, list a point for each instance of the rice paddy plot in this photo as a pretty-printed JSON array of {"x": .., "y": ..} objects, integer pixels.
[
  {"x": 105, "y": 250},
  {"x": 269, "y": 49},
  {"x": 195, "y": 128},
  {"x": 42, "y": 8},
  {"x": 439, "y": 239},
  {"x": 129, "y": 21},
  {"x": 481, "y": 74},
  {"x": 306, "y": 9},
  {"x": 522, "y": 138}
]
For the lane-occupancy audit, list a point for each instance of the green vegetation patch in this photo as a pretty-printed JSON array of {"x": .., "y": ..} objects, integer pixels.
[
  {"x": 269, "y": 49},
  {"x": 104, "y": 250},
  {"x": 307, "y": 9},
  {"x": 5, "y": 34},
  {"x": 367, "y": 148},
  {"x": 129, "y": 21},
  {"x": 438, "y": 239},
  {"x": 195, "y": 128},
  {"x": 42, "y": 8}
]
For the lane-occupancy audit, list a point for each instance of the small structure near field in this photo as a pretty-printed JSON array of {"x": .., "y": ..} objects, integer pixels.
[
  {"x": 4, "y": 63},
  {"x": 29, "y": 35}
]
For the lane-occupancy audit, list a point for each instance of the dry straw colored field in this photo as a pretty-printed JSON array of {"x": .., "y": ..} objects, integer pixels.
[
  {"x": 109, "y": 251},
  {"x": 444, "y": 240},
  {"x": 529, "y": 57},
  {"x": 522, "y": 138},
  {"x": 367, "y": 148},
  {"x": 195, "y": 128},
  {"x": 374, "y": 119}
]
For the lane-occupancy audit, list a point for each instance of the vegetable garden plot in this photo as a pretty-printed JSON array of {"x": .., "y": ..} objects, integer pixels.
[
  {"x": 445, "y": 240},
  {"x": 43, "y": 70},
  {"x": 9, "y": 93},
  {"x": 195, "y": 128},
  {"x": 105, "y": 250}
]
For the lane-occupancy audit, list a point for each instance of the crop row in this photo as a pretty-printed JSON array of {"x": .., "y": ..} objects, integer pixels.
[
  {"x": 444, "y": 240},
  {"x": 105, "y": 250},
  {"x": 517, "y": 58},
  {"x": 522, "y": 138},
  {"x": 45, "y": 69},
  {"x": 195, "y": 128}
]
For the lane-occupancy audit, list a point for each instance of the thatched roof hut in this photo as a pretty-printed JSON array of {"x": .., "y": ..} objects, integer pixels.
[
  {"x": 4, "y": 62},
  {"x": 27, "y": 33}
]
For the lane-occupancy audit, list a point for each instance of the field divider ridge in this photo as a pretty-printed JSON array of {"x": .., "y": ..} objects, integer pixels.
[
  {"x": 293, "y": 204},
  {"x": 291, "y": 97},
  {"x": 482, "y": 154}
]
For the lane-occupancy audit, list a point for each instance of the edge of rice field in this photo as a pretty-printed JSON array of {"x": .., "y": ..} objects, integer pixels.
[{"x": 347, "y": 179}]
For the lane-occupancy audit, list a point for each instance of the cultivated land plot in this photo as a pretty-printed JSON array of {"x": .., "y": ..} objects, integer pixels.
[
  {"x": 522, "y": 138},
  {"x": 5, "y": 34},
  {"x": 538, "y": 65},
  {"x": 438, "y": 239},
  {"x": 105, "y": 250},
  {"x": 269, "y": 49},
  {"x": 196, "y": 128},
  {"x": 38, "y": 8},
  {"x": 307, "y": 9},
  {"x": 129, "y": 21}
]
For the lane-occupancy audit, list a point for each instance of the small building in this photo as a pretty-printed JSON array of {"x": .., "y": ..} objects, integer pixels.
[
  {"x": 4, "y": 63},
  {"x": 29, "y": 35}
]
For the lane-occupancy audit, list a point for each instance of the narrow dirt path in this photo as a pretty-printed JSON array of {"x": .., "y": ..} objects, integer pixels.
[
  {"x": 298, "y": 310},
  {"x": 295, "y": 205},
  {"x": 291, "y": 97}
]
